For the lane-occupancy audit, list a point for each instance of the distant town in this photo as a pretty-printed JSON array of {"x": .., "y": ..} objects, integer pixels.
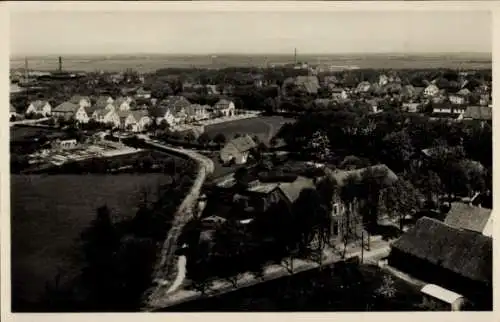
[{"x": 286, "y": 187}]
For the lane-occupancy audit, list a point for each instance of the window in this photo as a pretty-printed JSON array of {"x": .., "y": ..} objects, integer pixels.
[{"x": 335, "y": 209}]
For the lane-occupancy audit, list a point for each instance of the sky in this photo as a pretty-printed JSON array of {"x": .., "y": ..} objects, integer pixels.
[{"x": 122, "y": 32}]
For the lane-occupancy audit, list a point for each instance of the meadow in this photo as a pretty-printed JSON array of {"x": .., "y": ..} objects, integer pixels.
[
  {"x": 48, "y": 214},
  {"x": 264, "y": 127}
]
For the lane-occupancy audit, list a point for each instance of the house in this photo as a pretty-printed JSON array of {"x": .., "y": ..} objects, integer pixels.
[
  {"x": 484, "y": 99},
  {"x": 339, "y": 93},
  {"x": 12, "y": 112},
  {"x": 82, "y": 101},
  {"x": 237, "y": 150},
  {"x": 478, "y": 113},
  {"x": 103, "y": 101},
  {"x": 472, "y": 218},
  {"x": 107, "y": 116},
  {"x": 261, "y": 192},
  {"x": 438, "y": 298},
  {"x": 374, "y": 105},
  {"x": 39, "y": 107},
  {"x": 330, "y": 80},
  {"x": 456, "y": 259},
  {"x": 197, "y": 112},
  {"x": 411, "y": 107},
  {"x": 69, "y": 110},
  {"x": 431, "y": 90},
  {"x": 143, "y": 94},
  {"x": 135, "y": 121},
  {"x": 224, "y": 107},
  {"x": 392, "y": 88},
  {"x": 383, "y": 80},
  {"x": 309, "y": 84},
  {"x": 363, "y": 87},
  {"x": 122, "y": 104},
  {"x": 448, "y": 111},
  {"x": 212, "y": 90},
  {"x": 457, "y": 99},
  {"x": 341, "y": 223},
  {"x": 172, "y": 110},
  {"x": 14, "y": 89},
  {"x": 464, "y": 92}
]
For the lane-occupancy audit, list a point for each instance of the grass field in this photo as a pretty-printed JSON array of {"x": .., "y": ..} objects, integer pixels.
[
  {"x": 149, "y": 63},
  {"x": 265, "y": 127},
  {"x": 48, "y": 214}
]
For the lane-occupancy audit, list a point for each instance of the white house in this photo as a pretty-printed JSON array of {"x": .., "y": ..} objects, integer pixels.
[
  {"x": 106, "y": 116},
  {"x": 197, "y": 112},
  {"x": 456, "y": 99},
  {"x": 237, "y": 150},
  {"x": 103, "y": 101},
  {"x": 143, "y": 94},
  {"x": 172, "y": 110},
  {"x": 363, "y": 87},
  {"x": 122, "y": 104},
  {"x": 383, "y": 80},
  {"x": 339, "y": 93},
  {"x": 431, "y": 90},
  {"x": 82, "y": 101},
  {"x": 69, "y": 110},
  {"x": 441, "y": 299},
  {"x": 135, "y": 121},
  {"x": 224, "y": 107},
  {"x": 39, "y": 107}
]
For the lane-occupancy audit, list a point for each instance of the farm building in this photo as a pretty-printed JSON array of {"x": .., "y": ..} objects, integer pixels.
[
  {"x": 441, "y": 299},
  {"x": 237, "y": 150},
  {"x": 456, "y": 259},
  {"x": 39, "y": 107},
  {"x": 467, "y": 217}
]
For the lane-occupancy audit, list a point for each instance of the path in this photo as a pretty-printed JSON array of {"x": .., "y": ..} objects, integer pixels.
[
  {"x": 166, "y": 265},
  {"x": 379, "y": 249},
  {"x": 30, "y": 121}
]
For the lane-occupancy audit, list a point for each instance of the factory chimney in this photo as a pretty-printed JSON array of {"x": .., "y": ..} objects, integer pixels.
[{"x": 60, "y": 64}]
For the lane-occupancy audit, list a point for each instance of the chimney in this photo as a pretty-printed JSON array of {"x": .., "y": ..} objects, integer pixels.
[{"x": 60, "y": 63}]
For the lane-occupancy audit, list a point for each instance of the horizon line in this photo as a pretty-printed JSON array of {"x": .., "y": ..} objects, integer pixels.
[{"x": 397, "y": 53}]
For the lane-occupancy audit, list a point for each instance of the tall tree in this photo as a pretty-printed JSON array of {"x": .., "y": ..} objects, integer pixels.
[{"x": 401, "y": 199}]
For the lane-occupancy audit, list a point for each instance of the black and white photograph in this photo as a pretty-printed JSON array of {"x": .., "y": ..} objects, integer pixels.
[{"x": 258, "y": 160}]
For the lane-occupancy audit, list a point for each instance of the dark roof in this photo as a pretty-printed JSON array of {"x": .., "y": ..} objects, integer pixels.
[
  {"x": 293, "y": 189},
  {"x": 463, "y": 216},
  {"x": 478, "y": 113},
  {"x": 243, "y": 143},
  {"x": 102, "y": 101},
  {"x": 466, "y": 253},
  {"x": 222, "y": 104},
  {"x": 66, "y": 107},
  {"x": 175, "y": 103},
  {"x": 77, "y": 98}
]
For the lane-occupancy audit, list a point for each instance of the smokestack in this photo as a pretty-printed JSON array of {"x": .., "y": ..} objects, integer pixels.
[
  {"x": 295, "y": 55},
  {"x": 26, "y": 74},
  {"x": 60, "y": 63}
]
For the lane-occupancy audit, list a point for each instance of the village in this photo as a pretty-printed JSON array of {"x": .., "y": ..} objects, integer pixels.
[{"x": 308, "y": 167}]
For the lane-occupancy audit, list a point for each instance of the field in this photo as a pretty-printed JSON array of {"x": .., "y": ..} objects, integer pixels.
[
  {"x": 149, "y": 63},
  {"x": 20, "y": 133},
  {"x": 264, "y": 127},
  {"x": 48, "y": 214}
]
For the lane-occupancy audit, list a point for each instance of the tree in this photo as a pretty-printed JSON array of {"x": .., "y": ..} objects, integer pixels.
[
  {"x": 319, "y": 146},
  {"x": 204, "y": 138},
  {"x": 400, "y": 199},
  {"x": 100, "y": 243},
  {"x": 242, "y": 177},
  {"x": 431, "y": 186},
  {"x": 220, "y": 138},
  {"x": 397, "y": 150}
]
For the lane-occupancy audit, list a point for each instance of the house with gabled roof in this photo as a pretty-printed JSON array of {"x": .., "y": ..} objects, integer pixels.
[
  {"x": 237, "y": 150},
  {"x": 143, "y": 94},
  {"x": 82, "y": 101},
  {"x": 106, "y": 116},
  {"x": 122, "y": 104},
  {"x": 224, "y": 107},
  {"x": 134, "y": 121},
  {"x": 39, "y": 107},
  {"x": 103, "y": 101},
  {"x": 197, "y": 112},
  {"x": 68, "y": 110},
  {"x": 478, "y": 113},
  {"x": 468, "y": 217}
]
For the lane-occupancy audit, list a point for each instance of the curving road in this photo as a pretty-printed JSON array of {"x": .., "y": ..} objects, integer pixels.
[{"x": 166, "y": 263}]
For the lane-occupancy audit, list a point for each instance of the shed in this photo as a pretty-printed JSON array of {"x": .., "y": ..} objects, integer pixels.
[{"x": 437, "y": 297}]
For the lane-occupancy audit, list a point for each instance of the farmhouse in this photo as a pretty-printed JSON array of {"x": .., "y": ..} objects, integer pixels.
[
  {"x": 463, "y": 265},
  {"x": 39, "y": 107},
  {"x": 197, "y": 112},
  {"x": 122, "y": 104},
  {"x": 237, "y": 150},
  {"x": 172, "y": 110}
]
